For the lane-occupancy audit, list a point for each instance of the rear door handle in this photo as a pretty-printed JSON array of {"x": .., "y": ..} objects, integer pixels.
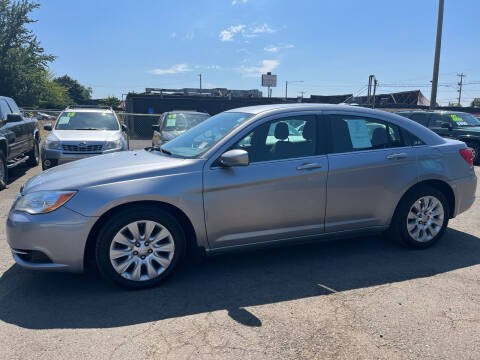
[
  {"x": 397, "y": 156},
  {"x": 309, "y": 166}
]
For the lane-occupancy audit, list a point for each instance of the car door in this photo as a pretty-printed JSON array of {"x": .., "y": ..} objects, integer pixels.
[
  {"x": 369, "y": 169},
  {"x": 279, "y": 195},
  {"x": 10, "y": 131},
  {"x": 24, "y": 128}
]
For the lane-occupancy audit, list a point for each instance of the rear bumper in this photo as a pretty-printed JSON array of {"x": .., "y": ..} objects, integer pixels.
[
  {"x": 54, "y": 241},
  {"x": 464, "y": 190}
]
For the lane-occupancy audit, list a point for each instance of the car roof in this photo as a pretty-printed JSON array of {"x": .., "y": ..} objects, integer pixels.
[
  {"x": 80, "y": 109},
  {"x": 185, "y": 112}
]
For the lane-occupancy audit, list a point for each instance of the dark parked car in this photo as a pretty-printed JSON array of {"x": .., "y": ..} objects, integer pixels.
[
  {"x": 451, "y": 124},
  {"x": 19, "y": 138},
  {"x": 174, "y": 123}
]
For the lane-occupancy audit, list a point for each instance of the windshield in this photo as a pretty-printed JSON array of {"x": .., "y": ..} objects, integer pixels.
[
  {"x": 202, "y": 137},
  {"x": 182, "y": 121},
  {"x": 464, "y": 119},
  {"x": 89, "y": 120}
]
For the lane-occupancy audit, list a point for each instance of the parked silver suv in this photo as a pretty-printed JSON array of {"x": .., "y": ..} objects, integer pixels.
[
  {"x": 246, "y": 177},
  {"x": 81, "y": 132}
]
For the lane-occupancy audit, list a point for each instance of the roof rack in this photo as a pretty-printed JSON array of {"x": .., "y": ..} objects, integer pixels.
[{"x": 90, "y": 107}]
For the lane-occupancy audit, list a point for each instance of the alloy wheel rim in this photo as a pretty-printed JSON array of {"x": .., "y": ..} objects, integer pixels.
[
  {"x": 425, "y": 218},
  {"x": 142, "y": 250}
]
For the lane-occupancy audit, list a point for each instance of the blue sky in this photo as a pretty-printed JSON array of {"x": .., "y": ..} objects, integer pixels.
[{"x": 116, "y": 46}]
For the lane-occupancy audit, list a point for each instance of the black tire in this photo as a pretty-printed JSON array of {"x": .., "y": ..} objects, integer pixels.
[
  {"x": 34, "y": 155},
  {"x": 398, "y": 228},
  {"x": 126, "y": 216},
  {"x": 3, "y": 171},
  {"x": 476, "y": 151}
]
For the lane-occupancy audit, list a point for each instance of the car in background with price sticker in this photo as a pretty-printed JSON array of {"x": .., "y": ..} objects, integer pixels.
[
  {"x": 81, "y": 132},
  {"x": 451, "y": 124},
  {"x": 175, "y": 123}
]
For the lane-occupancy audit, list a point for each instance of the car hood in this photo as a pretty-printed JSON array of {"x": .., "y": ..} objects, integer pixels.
[
  {"x": 85, "y": 135},
  {"x": 110, "y": 168}
]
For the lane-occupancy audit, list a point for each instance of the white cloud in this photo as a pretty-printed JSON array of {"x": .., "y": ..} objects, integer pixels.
[
  {"x": 173, "y": 35},
  {"x": 175, "y": 69},
  {"x": 263, "y": 29},
  {"x": 235, "y": 2},
  {"x": 256, "y": 71},
  {"x": 190, "y": 35},
  {"x": 277, "y": 48},
  {"x": 228, "y": 34}
]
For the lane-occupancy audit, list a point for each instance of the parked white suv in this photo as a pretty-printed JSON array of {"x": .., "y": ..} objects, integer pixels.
[{"x": 81, "y": 132}]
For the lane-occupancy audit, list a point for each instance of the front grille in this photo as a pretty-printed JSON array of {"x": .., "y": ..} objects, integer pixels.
[{"x": 82, "y": 148}]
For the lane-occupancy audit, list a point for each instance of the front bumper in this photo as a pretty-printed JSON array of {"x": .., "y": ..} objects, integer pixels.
[
  {"x": 58, "y": 157},
  {"x": 53, "y": 241}
]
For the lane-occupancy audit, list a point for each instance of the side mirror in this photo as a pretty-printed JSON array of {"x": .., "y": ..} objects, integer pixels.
[
  {"x": 235, "y": 157},
  {"x": 156, "y": 127},
  {"x": 124, "y": 128},
  {"x": 11, "y": 118},
  {"x": 47, "y": 127}
]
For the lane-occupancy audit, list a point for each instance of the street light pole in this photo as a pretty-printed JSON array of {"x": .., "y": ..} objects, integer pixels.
[
  {"x": 200, "y": 76},
  {"x": 286, "y": 86},
  {"x": 436, "y": 63}
]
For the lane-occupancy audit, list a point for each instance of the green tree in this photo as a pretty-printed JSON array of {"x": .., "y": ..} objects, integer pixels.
[
  {"x": 54, "y": 96},
  {"x": 23, "y": 62},
  {"x": 112, "y": 101},
  {"x": 475, "y": 102},
  {"x": 76, "y": 91}
]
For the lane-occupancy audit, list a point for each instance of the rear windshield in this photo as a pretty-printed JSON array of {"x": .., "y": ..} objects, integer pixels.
[
  {"x": 464, "y": 119},
  {"x": 182, "y": 121},
  {"x": 71, "y": 120}
]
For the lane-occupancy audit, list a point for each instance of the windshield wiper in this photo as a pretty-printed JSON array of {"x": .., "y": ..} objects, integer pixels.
[
  {"x": 87, "y": 129},
  {"x": 158, "y": 148}
]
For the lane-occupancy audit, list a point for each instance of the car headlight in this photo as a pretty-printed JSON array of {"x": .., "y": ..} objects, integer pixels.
[
  {"x": 53, "y": 145},
  {"x": 42, "y": 202},
  {"x": 113, "y": 145}
]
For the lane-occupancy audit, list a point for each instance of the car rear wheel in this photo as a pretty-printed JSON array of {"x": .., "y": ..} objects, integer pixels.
[
  {"x": 3, "y": 171},
  {"x": 421, "y": 218},
  {"x": 140, "y": 247}
]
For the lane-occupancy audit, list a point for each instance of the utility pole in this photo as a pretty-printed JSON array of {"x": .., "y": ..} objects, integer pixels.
[
  {"x": 200, "y": 76},
  {"x": 301, "y": 94},
  {"x": 460, "y": 84},
  {"x": 369, "y": 92},
  {"x": 375, "y": 83},
  {"x": 436, "y": 62},
  {"x": 286, "y": 86}
]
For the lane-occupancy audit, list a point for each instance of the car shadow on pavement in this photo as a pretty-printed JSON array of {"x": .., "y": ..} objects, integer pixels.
[
  {"x": 39, "y": 300},
  {"x": 16, "y": 173}
]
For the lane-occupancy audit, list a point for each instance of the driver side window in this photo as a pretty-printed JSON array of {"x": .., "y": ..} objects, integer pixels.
[{"x": 286, "y": 138}]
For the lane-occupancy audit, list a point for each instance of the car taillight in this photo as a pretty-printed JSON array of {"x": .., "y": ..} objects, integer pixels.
[{"x": 467, "y": 155}]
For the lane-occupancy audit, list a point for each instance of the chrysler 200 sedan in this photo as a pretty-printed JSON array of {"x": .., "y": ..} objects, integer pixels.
[{"x": 245, "y": 177}]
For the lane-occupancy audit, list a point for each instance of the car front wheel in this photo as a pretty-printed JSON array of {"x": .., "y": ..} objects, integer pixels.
[
  {"x": 140, "y": 247},
  {"x": 421, "y": 218}
]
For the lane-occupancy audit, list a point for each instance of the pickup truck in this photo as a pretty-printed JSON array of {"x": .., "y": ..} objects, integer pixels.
[{"x": 19, "y": 139}]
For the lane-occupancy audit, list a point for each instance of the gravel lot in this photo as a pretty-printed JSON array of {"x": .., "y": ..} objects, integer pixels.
[{"x": 361, "y": 298}]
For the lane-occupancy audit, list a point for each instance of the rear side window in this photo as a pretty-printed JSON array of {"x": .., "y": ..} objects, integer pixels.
[
  {"x": 352, "y": 133},
  {"x": 13, "y": 106},
  {"x": 420, "y": 118},
  {"x": 410, "y": 139},
  {"x": 437, "y": 120}
]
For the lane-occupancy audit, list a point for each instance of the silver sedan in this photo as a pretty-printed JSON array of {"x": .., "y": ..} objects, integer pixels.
[{"x": 246, "y": 177}]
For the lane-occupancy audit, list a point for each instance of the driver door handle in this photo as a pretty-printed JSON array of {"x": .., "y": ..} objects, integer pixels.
[
  {"x": 309, "y": 166},
  {"x": 396, "y": 156}
]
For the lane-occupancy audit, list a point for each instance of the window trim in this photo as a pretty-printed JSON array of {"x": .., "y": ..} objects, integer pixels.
[
  {"x": 253, "y": 123},
  {"x": 367, "y": 117}
]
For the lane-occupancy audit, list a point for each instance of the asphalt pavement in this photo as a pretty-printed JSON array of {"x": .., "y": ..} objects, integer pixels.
[{"x": 358, "y": 298}]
